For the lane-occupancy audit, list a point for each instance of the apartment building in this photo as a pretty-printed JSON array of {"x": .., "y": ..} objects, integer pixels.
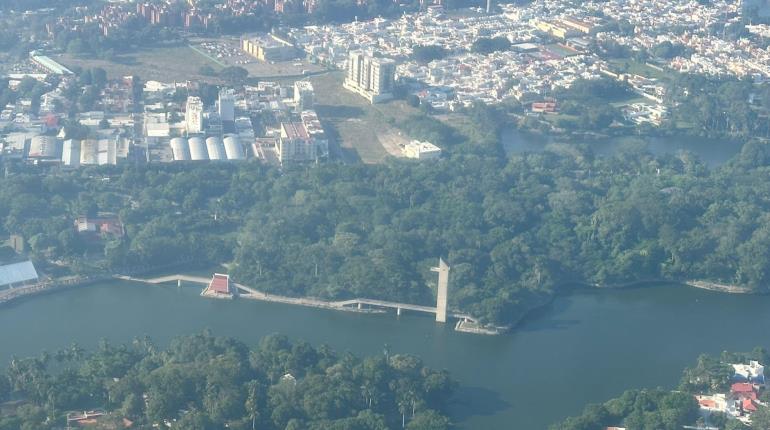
[{"x": 371, "y": 77}]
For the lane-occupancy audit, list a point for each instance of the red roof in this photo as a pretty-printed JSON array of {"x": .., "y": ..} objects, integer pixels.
[
  {"x": 742, "y": 387},
  {"x": 220, "y": 284},
  {"x": 748, "y": 405}
]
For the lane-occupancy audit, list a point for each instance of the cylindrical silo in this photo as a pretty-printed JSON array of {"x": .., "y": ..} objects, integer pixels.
[
  {"x": 216, "y": 148},
  {"x": 179, "y": 149},
  {"x": 198, "y": 149},
  {"x": 233, "y": 148}
]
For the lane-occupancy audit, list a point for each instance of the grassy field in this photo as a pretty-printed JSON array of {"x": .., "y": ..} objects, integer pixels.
[
  {"x": 363, "y": 131},
  {"x": 167, "y": 63},
  {"x": 637, "y": 68},
  {"x": 182, "y": 62}
]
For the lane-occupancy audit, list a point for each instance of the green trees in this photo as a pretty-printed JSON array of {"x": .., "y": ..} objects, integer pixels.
[
  {"x": 637, "y": 409},
  {"x": 513, "y": 228},
  {"x": 234, "y": 75},
  {"x": 717, "y": 106},
  {"x": 428, "y": 53},
  {"x": 486, "y": 45},
  {"x": 205, "y": 382}
]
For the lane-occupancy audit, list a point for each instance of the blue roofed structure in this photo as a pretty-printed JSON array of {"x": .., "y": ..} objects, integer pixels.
[{"x": 17, "y": 273}]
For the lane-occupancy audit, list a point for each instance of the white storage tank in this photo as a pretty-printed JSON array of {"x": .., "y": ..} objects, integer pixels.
[
  {"x": 198, "y": 149},
  {"x": 180, "y": 149},
  {"x": 216, "y": 148},
  {"x": 233, "y": 148}
]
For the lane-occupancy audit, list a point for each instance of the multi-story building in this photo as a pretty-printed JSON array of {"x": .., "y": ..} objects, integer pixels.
[
  {"x": 295, "y": 144},
  {"x": 194, "y": 115},
  {"x": 269, "y": 48},
  {"x": 371, "y": 77},
  {"x": 304, "y": 95},
  {"x": 226, "y": 105}
]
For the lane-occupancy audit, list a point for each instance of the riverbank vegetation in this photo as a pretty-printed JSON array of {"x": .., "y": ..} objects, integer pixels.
[
  {"x": 203, "y": 382},
  {"x": 669, "y": 410},
  {"x": 513, "y": 229}
]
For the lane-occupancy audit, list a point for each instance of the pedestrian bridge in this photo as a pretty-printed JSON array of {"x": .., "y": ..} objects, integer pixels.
[
  {"x": 359, "y": 304},
  {"x": 399, "y": 307}
]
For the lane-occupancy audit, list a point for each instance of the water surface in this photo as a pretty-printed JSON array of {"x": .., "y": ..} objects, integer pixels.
[{"x": 586, "y": 347}]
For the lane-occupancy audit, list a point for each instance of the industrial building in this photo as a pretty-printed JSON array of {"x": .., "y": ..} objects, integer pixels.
[
  {"x": 421, "y": 150},
  {"x": 44, "y": 148},
  {"x": 226, "y": 105},
  {"x": 70, "y": 155},
  {"x": 269, "y": 48},
  {"x": 98, "y": 152},
  {"x": 194, "y": 115},
  {"x": 213, "y": 148},
  {"x": 371, "y": 77},
  {"x": 48, "y": 64}
]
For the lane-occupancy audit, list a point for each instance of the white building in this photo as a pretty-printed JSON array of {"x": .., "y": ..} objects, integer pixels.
[
  {"x": 194, "y": 115},
  {"x": 303, "y": 95},
  {"x": 421, "y": 150},
  {"x": 371, "y": 77},
  {"x": 295, "y": 144},
  {"x": 752, "y": 372},
  {"x": 70, "y": 155},
  {"x": 226, "y": 105}
]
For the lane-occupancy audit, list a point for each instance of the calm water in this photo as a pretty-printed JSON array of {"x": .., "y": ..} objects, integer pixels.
[
  {"x": 713, "y": 152},
  {"x": 586, "y": 347}
]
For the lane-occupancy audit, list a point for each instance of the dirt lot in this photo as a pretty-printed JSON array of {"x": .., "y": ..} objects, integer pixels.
[{"x": 363, "y": 131}]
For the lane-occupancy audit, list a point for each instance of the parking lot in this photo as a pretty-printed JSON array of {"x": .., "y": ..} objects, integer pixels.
[{"x": 226, "y": 51}]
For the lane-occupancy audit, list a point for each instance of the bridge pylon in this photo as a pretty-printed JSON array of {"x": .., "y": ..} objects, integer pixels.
[{"x": 441, "y": 290}]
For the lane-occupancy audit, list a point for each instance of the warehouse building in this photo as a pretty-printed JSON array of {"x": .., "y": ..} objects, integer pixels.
[{"x": 269, "y": 48}]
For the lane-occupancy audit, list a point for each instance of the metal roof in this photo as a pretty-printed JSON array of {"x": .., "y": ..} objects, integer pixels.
[{"x": 17, "y": 272}]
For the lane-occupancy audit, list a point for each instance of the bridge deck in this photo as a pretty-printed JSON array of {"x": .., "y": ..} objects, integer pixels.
[
  {"x": 251, "y": 293},
  {"x": 405, "y": 306}
]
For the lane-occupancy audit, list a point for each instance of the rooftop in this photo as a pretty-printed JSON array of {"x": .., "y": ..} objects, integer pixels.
[{"x": 294, "y": 130}]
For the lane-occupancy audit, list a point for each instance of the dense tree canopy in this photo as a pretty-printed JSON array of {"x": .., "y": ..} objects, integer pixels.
[
  {"x": 486, "y": 45},
  {"x": 205, "y": 382},
  {"x": 513, "y": 229},
  {"x": 668, "y": 410}
]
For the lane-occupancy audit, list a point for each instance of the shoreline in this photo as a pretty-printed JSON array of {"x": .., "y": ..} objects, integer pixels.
[
  {"x": 565, "y": 288},
  {"x": 18, "y": 294}
]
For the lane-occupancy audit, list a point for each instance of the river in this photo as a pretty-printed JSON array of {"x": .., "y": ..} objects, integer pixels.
[
  {"x": 713, "y": 152},
  {"x": 587, "y": 346}
]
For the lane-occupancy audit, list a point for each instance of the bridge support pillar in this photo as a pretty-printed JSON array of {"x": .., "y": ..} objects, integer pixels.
[
  {"x": 398, "y": 311},
  {"x": 360, "y": 306},
  {"x": 441, "y": 291},
  {"x": 179, "y": 283}
]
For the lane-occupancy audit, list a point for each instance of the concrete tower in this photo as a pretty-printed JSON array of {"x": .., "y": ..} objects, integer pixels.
[
  {"x": 489, "y": 7},
  {"x": 226, "y": 105},
  {"x": 441, "y": 291},
  {"x": 194, "y": 115}
]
